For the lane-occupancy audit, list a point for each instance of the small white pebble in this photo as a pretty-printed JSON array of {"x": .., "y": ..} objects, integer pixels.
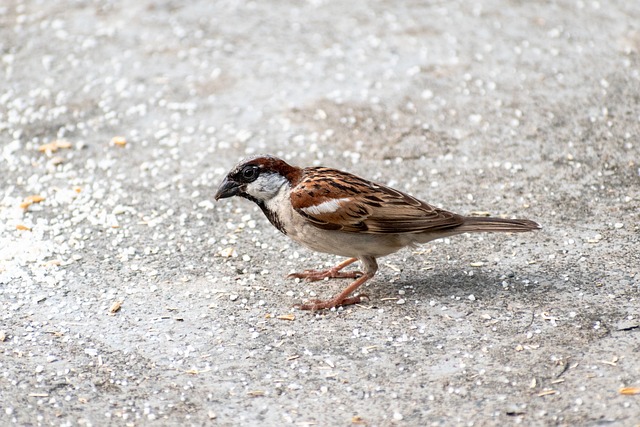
[
  {"x": 472, "y": 297},
  {"x": 233, "y": 297},
  {"x": 400, "y": 301},
  {"x": 618, "y": 225},
  {"x": 397, "y": 416}
]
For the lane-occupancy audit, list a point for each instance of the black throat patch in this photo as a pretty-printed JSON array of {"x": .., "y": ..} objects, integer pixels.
[{"x": 271, "y": 216}]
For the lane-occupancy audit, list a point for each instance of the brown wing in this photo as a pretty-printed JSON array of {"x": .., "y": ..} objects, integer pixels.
[{"x": 336, "y": 200}]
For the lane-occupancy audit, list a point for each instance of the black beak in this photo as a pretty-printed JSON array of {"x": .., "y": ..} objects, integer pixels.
[{"x": 228, "y": 188}]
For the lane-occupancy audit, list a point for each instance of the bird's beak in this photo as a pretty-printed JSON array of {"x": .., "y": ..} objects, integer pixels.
[{"x": 228, "y": 188}]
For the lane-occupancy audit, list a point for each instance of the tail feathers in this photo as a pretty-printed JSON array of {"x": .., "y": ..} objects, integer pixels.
[{"x": 492, "y": 224}]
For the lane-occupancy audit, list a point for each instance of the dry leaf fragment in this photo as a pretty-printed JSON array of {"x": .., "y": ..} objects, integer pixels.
[
  {"x": 196, "y": 371},
  {"x": 546, "y": 393},
  {"x": 477, "y": 264},
  {"x": 115, "y": 307},
  {"x": 54, "y": 146},
  {"x": 287, "y": 317},
  {"x": 22, "y": 227},
  {"x": 393, "y": 267},
  {"x": 629, "y": 391},
  {"x": 357, "y": 419},
  {"x": 29, "y": 200},
  {"x": 3, "y": 336},
  {"x": 256, "y": 393},
  {"x": 120, "y": 141},
  {"x": 228, "y": 252}
]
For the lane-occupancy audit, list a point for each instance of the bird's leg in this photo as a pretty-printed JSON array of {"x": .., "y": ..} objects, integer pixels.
[
  {"x": 342, "y": 298},
  {"x": 370, "y": 267},
  {"x": 332, "y": 273}
]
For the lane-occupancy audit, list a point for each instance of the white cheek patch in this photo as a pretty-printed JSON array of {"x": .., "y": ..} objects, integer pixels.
[
  {"x": 266, "y": 186},
  {"x": 329, "y": 206}
]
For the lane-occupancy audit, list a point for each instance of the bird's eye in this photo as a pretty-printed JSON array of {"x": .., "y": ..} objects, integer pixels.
[{"x": 250, "y": 173}]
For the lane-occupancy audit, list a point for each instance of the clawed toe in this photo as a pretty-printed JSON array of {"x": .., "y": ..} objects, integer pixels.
[
  {"x": 315, "y": 305},
  {"x": 315, "y": 275}
]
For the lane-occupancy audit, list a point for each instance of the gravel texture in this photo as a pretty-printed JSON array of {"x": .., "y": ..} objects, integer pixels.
[{"x": 130, "y": 298}]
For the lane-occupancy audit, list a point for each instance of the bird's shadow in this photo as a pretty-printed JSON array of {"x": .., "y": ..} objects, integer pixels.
[{"x": 527, "y": 286}]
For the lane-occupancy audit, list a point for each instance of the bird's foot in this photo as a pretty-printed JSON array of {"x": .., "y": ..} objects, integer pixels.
[
  {"x": 332, "y": 273},
  {"x": 315, "y": 305}
]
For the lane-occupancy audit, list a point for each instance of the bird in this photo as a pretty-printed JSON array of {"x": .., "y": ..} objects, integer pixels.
[{"x": 336, "y": 212}]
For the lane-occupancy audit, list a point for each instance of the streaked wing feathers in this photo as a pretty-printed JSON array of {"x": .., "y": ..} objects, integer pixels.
[{"x": 336, "y": 200}]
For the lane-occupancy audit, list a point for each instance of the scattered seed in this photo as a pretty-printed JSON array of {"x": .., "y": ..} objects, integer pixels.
[
  {"x": 480, "y": 213},
  {"x": 629, "y": 391},
  {"x": 115, "y": 307},
  {"x": 22, "y": 227},
  {"x": 356, "y": 419},
  {"x": 612, "y": 362},
  {"x": 228, "y": 252},
  {"x": 29, "y": 200},
  {"x": 119, "y": 141},
  {"x": 54, "y": 146},
  {"x": 287, "y": 317}
]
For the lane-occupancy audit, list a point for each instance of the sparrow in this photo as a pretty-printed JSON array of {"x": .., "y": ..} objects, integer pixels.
[{"x": 331, "y": 211}]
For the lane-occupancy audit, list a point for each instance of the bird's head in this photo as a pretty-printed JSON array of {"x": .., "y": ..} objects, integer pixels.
[{"x": 258, "y": 179}]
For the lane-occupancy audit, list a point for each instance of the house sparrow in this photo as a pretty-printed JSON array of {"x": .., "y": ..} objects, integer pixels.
[{"x": 335, "y": 212}]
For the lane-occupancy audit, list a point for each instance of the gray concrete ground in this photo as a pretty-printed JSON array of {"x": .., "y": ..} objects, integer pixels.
[{"x": 528, "y": 109}]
